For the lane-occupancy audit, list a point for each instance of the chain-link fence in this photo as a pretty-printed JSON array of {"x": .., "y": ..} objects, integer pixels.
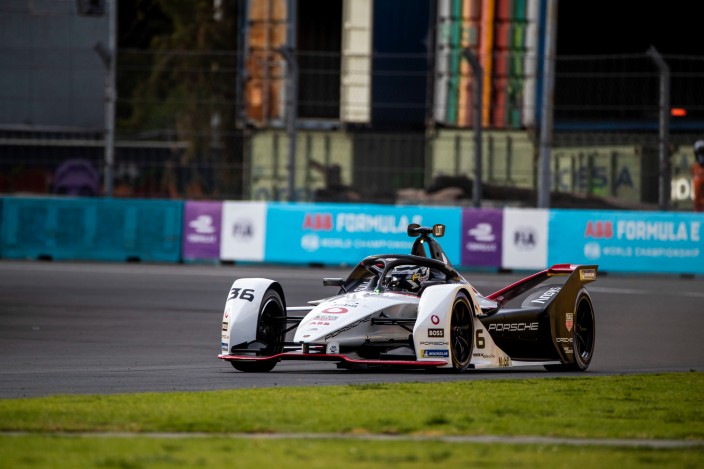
[{"x": 187, "y": 126}]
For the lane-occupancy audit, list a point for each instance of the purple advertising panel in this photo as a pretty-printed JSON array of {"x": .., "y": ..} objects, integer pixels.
[
  {"x": 201, "y": 230},
  {"x": 481, "y": 237}
]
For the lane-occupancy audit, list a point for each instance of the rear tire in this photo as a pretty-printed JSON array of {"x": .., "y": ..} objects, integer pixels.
[
  {"x": 461, "y": 333},
  {"x": 271, "y": 327},
  {"x": 583, "y": 335}
]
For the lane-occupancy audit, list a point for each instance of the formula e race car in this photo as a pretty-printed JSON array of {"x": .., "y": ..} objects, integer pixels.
[{"x": 415, "y": 311}]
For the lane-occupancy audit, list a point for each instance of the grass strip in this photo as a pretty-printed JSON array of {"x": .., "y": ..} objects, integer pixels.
[
  {"x": 97, "y": 452},
  {"x": 663, "y": 406}
]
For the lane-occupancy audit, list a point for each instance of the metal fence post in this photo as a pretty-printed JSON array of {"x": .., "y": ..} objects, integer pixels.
[
  {"x": 664, "y": 128},
  {"x": 546, "y": 121},
  {"x": 109, "y": 58},
  {"x": 478, "y": 85}
]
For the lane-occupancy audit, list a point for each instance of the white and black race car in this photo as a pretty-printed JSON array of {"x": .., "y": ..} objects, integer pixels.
[{"x": 415, "y": 311}]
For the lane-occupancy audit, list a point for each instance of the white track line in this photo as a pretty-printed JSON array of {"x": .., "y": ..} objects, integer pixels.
[{"x": 483, "y": 439}]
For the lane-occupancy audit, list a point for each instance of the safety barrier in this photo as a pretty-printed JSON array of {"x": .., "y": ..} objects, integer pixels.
[
  {"x": 337, "y": 234},
  {"x": 91, "y": 229}
]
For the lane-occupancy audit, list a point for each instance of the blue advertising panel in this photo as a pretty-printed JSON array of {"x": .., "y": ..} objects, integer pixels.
[
  {"x": 628, "y": 241},
  {"x": 345, "y": 234}
]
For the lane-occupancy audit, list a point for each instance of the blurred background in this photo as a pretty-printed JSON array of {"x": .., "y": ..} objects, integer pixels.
[{"x": 209, "y": 99}]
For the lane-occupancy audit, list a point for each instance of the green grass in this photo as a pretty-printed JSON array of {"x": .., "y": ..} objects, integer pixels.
[
  {"x": 664, "y": 406},
  {"x": 633, "y": 406},
  {"x": 69, "y": 452}
]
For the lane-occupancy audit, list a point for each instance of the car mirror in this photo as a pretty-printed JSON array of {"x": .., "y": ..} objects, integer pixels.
[
  {"x": 438, "y": 230},
  {"x": 333, "y": 282}
]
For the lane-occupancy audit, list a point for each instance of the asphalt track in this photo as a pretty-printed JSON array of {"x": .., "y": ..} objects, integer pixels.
[{"x": 79, "y": 328}]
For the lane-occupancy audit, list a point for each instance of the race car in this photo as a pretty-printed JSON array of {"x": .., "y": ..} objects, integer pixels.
[{"x": 415, "y": 311}]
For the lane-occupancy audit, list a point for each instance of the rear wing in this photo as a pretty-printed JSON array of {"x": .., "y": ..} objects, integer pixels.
[{"x": 587, "y": 274}]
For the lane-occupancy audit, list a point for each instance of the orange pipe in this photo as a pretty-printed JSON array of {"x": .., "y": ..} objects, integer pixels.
[{"x": 488, "y": 13}]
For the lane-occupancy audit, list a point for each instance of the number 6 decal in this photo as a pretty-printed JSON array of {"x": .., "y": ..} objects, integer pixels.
[{"x": 478, "y": 339}]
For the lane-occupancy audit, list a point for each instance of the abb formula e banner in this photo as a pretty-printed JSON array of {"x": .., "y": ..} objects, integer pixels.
[
  {"x": 628, "y": 241},
  {"x": 345, "y": 234}
]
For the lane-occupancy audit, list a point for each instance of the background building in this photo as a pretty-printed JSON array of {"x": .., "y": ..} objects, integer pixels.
[{"x": 383, "y": 100}]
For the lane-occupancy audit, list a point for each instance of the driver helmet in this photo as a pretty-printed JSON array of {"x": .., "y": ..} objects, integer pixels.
[
  {"x": 699, "y": 151},
  {"x": 408, "y": 278}
]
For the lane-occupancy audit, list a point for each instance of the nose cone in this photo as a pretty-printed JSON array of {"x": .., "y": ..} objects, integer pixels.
[{"x": 334, "y": 319}]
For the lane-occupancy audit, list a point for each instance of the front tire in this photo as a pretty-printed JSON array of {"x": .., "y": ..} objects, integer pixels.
[
  {"x": 583, "y": 335},
  {"x": 271, "y": 329},
  {"x": 461, "y": 332}
]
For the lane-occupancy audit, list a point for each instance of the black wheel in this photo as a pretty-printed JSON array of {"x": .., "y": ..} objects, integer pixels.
[
  {"x": 461, "y": 332},
  {"x": 271, "y": 328},
  {"x": 583, "y": 335}
]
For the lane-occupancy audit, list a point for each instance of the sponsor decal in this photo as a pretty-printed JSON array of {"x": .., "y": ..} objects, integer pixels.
[
  {"x": 203, "y": 224},
  {"x": 567, "y": 340},
  {"x": 434, "y": 353},
  {"x": 335, "y": 310},
  {"x": 201, "y": 230},
  {"x": 489, "y": 356},
  {"x": 243, "y": 229},
  {"x": 347, "y": 328},
  {"x": 226, "y": 337},
  {"x": 569, "y": 321},
  {"x": 317, "y": 222},
  {"x": 568, "y": 350},
  {"x": 333, "y": 348},
  {"x": 365, "y": 223},
  {"x": 640, "y": 230},
  {"x": 437, "y": 344},
  {"x": 224, "y": 325},
  {"x": 547, "y": 295},
  {"x": 227, "y": 313},
  {"x": 525, "y": 238},
  {"x": 204, "y": 230},
  {"x": 482, "y": 240},
  {"x": 592, "y": 251},
  {"x": 504, "y": 361},
  {"x": 587, "y": 274},
  {"x": 599, "y": 229},
  {"x": 325, "y": 317},
  {"x": 224, "y": 346},
  {"x": 436, "y": 332},
  {"x": 514, "y": 327},
  {"x": 310, "y": 242},
  {"x": 435, "y": 319},
  {"x": 482, "y": 232}
]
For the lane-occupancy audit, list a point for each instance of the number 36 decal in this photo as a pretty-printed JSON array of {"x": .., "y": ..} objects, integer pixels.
[{"x": 246, "y": 294}]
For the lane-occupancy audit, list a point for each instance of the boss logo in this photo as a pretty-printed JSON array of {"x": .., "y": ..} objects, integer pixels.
[{"x": 436, "y": 332}]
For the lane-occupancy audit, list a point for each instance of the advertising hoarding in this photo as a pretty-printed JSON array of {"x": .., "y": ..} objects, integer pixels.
[
  {"x": 201, "y": 230},
  {"x": 345, "y": 234},
  {"x": 628, "y": 241},
  {"x": 525, "y": 239},
  {"x": 482, "y": 237},
  {"x": 243, "y": 231}
]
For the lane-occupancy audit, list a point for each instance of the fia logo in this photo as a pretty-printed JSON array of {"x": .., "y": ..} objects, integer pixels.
[
  {"x": 243, "y": 230},
  {"x": 525, "y": 238}
]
